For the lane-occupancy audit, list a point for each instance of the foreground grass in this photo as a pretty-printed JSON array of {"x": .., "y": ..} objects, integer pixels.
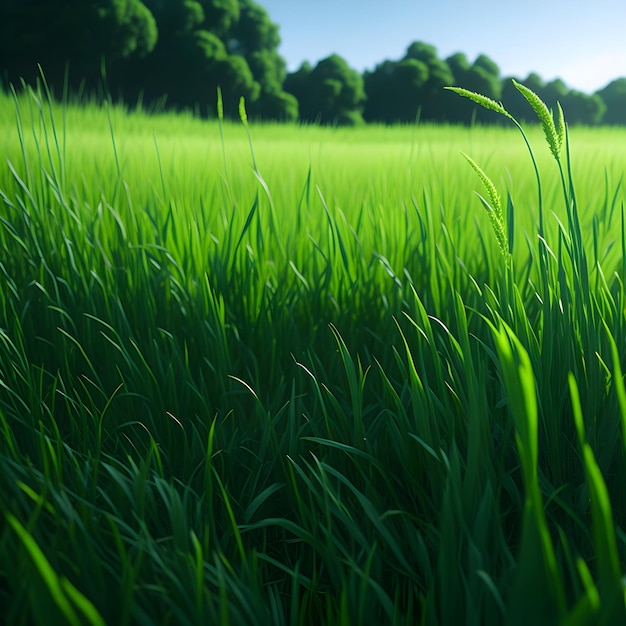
[{"x": 300, "y": 385}]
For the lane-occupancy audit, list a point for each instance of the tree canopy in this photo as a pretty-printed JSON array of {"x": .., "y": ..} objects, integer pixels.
[
  {"x": 614, "y": 98},
  {"x": 179, "y": 52},
  {"x": 331, "y": 92},
  {"x": 75, "y": 33}
]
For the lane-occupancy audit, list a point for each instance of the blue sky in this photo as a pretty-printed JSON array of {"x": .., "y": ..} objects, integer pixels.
[{"x": 582, "y": 42}]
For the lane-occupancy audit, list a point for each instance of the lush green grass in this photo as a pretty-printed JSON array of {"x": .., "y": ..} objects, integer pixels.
[{"x": 295, "y": 382}]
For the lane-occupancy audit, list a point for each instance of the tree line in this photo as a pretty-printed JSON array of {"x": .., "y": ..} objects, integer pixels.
[{"x": 175, "y": 54}]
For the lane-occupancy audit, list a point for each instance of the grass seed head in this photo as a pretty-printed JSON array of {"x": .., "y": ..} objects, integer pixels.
[
  {"x": 220, "y": 105},
  {"x": 242, "y": 110},
  {"x": 493, "y": 206},
  {"x": 561, "y": 125},
  {"x": 554, "y": 137},
  {"x": 478, "y": 98},
  {"x": 492, "y": 193}
]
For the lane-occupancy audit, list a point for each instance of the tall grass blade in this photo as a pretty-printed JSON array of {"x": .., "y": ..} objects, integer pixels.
[{"x": 537, "y": 595}]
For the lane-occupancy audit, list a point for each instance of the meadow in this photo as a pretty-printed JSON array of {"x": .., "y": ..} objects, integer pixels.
[{"x": 265, "y": 374}]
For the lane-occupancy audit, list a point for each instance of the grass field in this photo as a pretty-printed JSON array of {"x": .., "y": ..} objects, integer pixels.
[{"x": 286, "y": 375}]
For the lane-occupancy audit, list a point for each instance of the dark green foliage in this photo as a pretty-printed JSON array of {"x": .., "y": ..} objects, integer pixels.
[
  {"x": 482, "y": 76},
  {"x": 221, "y": 16},
  {"x": 208, "y": 44},
  {"x": 553, "y": 92},
  {"x": 75, "y": 34},
  {"x": 330, "y": 93},
  {"x": 256, "y": 38},
  {"x": 173, "y": 51},
  {"x": 458, "y": 65},
  {"x": 176, "y": 17},
  {"x": 269, "y": 69},
  {"x": 582, "y": 108},
  {"x": 205, "y": 58},
  {"x": 296, "y": 82},
  {"x": 483, "y": 62},
  {"x": 394, "y": 91},
  {"x": 421, "y": 51},
  {"x": 412, "y": 88},
  {"x": 223, "y": 43},
  {"x": 254, "y": 31},
  {"x": 614, "y": 97},
  {"x": 277, "y": 105},
  {"x": 439, "y": 76}
]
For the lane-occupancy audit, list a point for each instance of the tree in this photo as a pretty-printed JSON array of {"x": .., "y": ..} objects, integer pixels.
[
  {"x": 409, "y": 89},
  {"x": 78, "y": 34},
  {"x": 482, "y": 76},
  {"x": 331, "y": 93},
  {"x": 582, "y": 108},
  {"x": 421, "y": 51},
  {"x": 614, "y": 98},
  {"x": 459, "y": 66},
  {"x": 579, "y": 108},
  {"x": 483, "y": 62},
  {"x": 182, "y": 49},
  {"x": 553, "y": 92},
  {"x": 297, "y": 84},
  {"x": 254, "y": 31},
  {"x": 279, "y": 105},
  {"x": 206, "y": 44},
  {"x": 176, "y": 18},
  {"x": 394, "y": 90},
  {"x": 256, "y": 38},
  {"x": 189, "y": 67},
  {"x": 432, "y": 94},
  {"x": 414, "y": 87},
  {"x": 220, "y": 16}
]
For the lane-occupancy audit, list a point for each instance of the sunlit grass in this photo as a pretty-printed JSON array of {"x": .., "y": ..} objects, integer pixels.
[{"x": 314, "y": 392}]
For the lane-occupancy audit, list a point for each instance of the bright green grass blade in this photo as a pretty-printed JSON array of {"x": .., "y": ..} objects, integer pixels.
[
  {"x": 63, "y": 593},
  {"x": 519, "y": 382},
  {"x": 618, "y": 382},
  {"x": 82, "y": 603},
  {"x": 537, "y": 594},
  {"x": 610, "y": 585}
]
